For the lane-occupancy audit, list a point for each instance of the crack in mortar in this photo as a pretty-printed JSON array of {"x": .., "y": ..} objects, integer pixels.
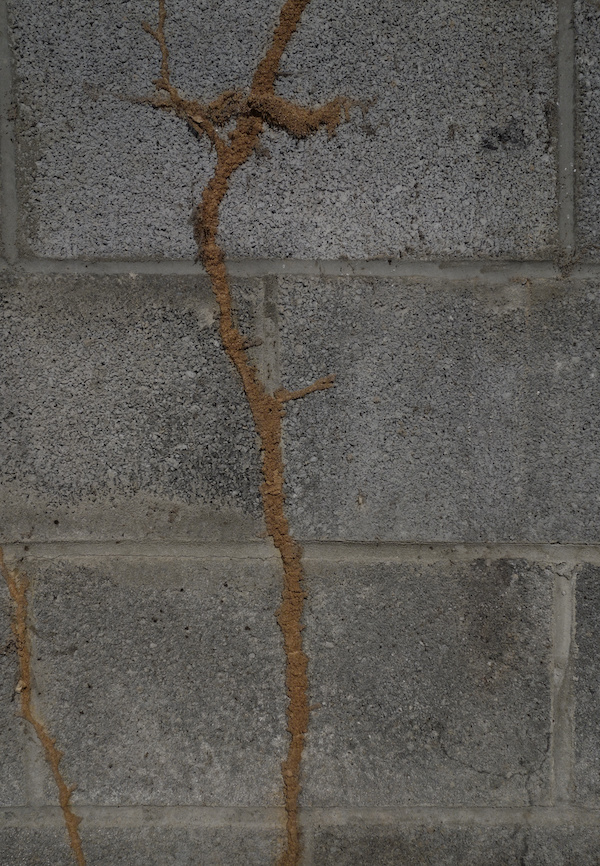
[
  {"x": 250, "y": 111},
  {"x": 18, "y": 585}
]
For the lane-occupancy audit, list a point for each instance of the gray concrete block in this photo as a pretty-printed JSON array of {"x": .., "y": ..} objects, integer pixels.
[
  {"x": 460, "y": 412},
  {"x": 450, "y": 151},
  {"x": 28, "y": 847},
  {"x": 418, "y": 846},
  {"x": 587, "y": 217},
  {"x": 162, "y": 679},
  {"x": 355, "y": 845},
  {"x": 129, "y": 177},
  {"x": 569, "y": 845},
  {"x": 12, "y": 727},
  {"x": 122, "y": 415},
  {"x": 561, "y": 413},
  {"x": 587, "y": 687},
  {"x": 148, "y": 846},
  {"x": 432, "y": 684}
]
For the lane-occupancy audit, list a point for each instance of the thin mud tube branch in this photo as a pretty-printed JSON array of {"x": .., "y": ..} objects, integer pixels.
[
  {"x": 192, "y": 112},
  {"x": 159, "y": 35},
  {"x": 18, "y": 586},
  {"x": 233, "y": 148},
  {"x": 323, "y": 384}
]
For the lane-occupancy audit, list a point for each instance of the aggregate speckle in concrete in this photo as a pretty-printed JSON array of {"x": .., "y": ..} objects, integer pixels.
[
  {"x": 147, "y": 846},
  {"x": 562, "y": 413},
  {"x": 22, "y": 846},
  {"x": 421, "y": 846},
  {"x": 99, "y": 174},
  {"x": 459, "y": 412},
  {"x": 587, "y": 687},
  {"x": 567, "y": 845},
  {"x": 162, "y": 679},
  {"x": 355, "y": 845},
  {"x": 450, "y": 150},
  {"x": 587, "y": 217},
  {"x": 431, "y": 684},
  {"x": 12, "y": 727},
  {"x": 122, "y": 414}
]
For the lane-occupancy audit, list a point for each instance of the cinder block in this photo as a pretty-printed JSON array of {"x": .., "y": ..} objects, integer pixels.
[
  {"x": 587, "y": 687},
  {"x": 431, "y": 682},
  {"x": 587, "y": 217},
  {"x": 147, "y": 846},
  {"x": 460, "y": 412},
  {"x": 47, "y": 847},
  {"x": 561, "y": 413},
  {"x": 162, "y": 679},
  {"x": 12, "y": 727},
  {"x": 569, "y": 845},
  {"x": 354, "y": 845},
  {"x": 131, "y": 176},
  {"x": 449, "y": 152},
  {"x": 123, "y": 417}
]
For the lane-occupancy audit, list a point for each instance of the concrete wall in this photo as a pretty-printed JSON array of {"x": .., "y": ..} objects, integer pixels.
[{"x": 441, "y": 256}]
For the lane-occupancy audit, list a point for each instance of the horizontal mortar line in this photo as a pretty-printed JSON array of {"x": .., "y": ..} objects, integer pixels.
[
  {"x": 489, "y": 270},
  {"x": 314, "y": 551},
  {"x": 150, "y": 549},
  {"x": 268, "y": 817},
  {"x": 487, "y": 816},
  {"x": 426, "y": 552},
  {"x": 144, "y": 816}
]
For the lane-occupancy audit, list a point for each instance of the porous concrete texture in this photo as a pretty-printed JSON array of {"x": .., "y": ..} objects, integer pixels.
[
  {"x": 164, "y": 678},
  {"x": 140, "y": 846},
  {"x": 120, "y": 415},
  {"x": 351, "y": 846},
  {"x": 455, "y": 846},
  {"x": 587, "y": 687},
  {"x": 587, "y": 24},
  {"x": 450, "y": 150},
  {"x": 439, "y": 255},
  {"x": 431, "y": 684},
  {"x": 13, "y": 737},
  {"x": 563, "y": 846},
  {"x": 460, "y": 411}
]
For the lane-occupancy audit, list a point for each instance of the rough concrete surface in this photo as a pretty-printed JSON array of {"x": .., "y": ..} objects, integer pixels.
[
  {"x": 587, "y": 23},
  {"x": 139, "y": 847},
  {"x": 456, "y": 846},
  {"x": 562, "y": 418},
  {"x": 460, "y": 412},
  {"x": 162, "y": 679},
  {"x": 440, "y": 256},
  {"x": 122, "y": 415},
  {"x": 587, "y": 687},
  {"x": 432, "y": 684},
  {"x": 450, "y": 151},
  {"x": 426, "y": 846},
  {"x": 563, "y": 846},
  {"x": 12, "y": 733}
]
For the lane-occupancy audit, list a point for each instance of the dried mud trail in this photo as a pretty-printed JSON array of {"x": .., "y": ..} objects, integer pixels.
[
  {"x": 18, "y": 586},
  {"x": 251, "y": 110}
]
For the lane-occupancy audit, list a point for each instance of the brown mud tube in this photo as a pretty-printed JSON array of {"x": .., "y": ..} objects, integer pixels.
[
  {"x": 251, "y": 111},
  {"x": 18, "y": 587}
]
